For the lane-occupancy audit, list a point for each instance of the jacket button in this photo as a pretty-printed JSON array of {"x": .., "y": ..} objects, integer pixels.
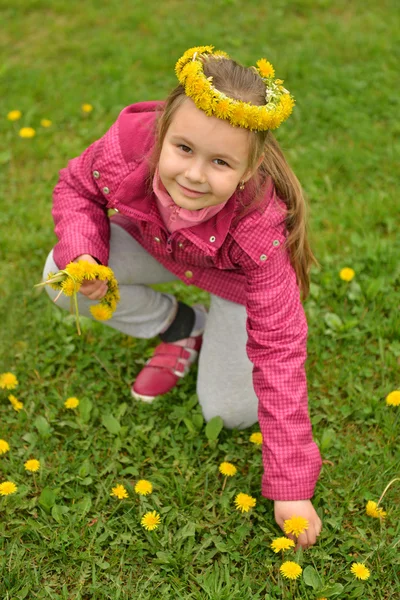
[
  {"x": 263, "y": 257},
  {"x": 106, "y": 190},
  {"x": 276, "y": 243},
  {"x": 180, "y": 245},
  {"x": 188, "y": 274},
  {"x": 96, "y": 174},
  {"x": 157, "y": 239},
  {"x": 212, "y": 238}
]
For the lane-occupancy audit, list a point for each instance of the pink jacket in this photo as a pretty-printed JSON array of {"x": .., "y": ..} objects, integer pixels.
[{"x": 243, "y": 260}]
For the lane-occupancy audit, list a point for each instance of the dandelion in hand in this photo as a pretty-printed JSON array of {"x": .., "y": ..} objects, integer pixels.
[
  {"x": 360, "y": 571},
  {"x": 14, "y": 115},
  {"x": 32, "y": 465},
  {"x": 4, "y": 446},
  {"x": 256, "y": 438},
  {"x": 227, "y": 469},
  {"x": 151, "y": 520},
  {"x": 71, "y": 403},
  {"x": 143, "y": 487},
  {"x": 119, "y": 492},
  {"x": 281, "y": 544},
  {"x": 290, "y": 570},
  {"x": 7, "y": 488},
  {"x": 347, "y": 274},
  {"x": 393, "y": 399},
  {"x": 244, "y": 502},
  {"x": 8, "y": 381},
  {"x": 16, "y": 404},
  {"x": 373, "y": 510},
  {"x": 295, "y": 525}
]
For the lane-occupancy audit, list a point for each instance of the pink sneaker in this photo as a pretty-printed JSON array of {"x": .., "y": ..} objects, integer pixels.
[{"x": 169, "y": 363}]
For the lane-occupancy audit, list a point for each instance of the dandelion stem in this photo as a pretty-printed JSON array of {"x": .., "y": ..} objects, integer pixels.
[
  {"x": 224, "y": 484},
  {"x": 58, "y": 295},
  {"x": 386, "y": 489},
  {"x": 75, "y": 300}
]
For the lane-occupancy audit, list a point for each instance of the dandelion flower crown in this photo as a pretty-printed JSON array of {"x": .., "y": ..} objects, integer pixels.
[{"x": 198, "y": 87}]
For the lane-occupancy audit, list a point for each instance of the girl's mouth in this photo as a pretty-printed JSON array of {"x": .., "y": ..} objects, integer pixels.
[{"x": 190, "y": 193}]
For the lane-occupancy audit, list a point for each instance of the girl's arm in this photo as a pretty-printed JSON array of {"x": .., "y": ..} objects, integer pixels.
[{"x": 277, "y": 339}]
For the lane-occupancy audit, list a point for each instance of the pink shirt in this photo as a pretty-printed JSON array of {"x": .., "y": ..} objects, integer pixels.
[{"x": 240, "y": 257}]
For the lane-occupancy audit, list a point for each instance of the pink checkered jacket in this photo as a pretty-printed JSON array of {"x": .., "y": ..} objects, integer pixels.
[{"x": 241, "y": 259}]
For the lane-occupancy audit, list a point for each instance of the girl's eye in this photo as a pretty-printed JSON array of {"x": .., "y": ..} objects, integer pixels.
[
  {"x": 221, "y": 162},
  {"x": 184, "y": 148}
]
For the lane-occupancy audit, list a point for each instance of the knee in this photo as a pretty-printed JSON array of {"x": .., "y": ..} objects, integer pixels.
[{"x": 238, "y": 414}]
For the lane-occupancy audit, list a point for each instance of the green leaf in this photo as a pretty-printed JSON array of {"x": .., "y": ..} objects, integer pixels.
[
  {"x": 42, "y": 425},
  {"x": 85, "y": 408},
  {"x": 198, "y": 420},
  {"x": 333, "y": 321},
  {"x": 47, "y": 498},
  {"x": 58, "y": 511},
  {"x": 327, "y": 438},
  {"x": 83, "y": 506},
  {"x": 332, "y": 590},
  {"x": 111, "y": 424},
  {"x": 189, "y": 425},
  {"x": 213, "y": 428},
  {"x": 312, "y": 578}
]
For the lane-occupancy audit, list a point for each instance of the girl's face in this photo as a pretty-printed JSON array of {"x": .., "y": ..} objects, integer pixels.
[{"x": 202, "y": 158}]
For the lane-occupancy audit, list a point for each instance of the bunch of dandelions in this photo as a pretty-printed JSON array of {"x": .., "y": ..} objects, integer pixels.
[{"x": 69, "y": 280}]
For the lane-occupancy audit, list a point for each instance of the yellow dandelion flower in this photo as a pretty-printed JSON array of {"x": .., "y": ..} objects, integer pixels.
[
  {"x": 393, "y": 399},
  {"x": 373, "y": 510},
  {"x": 239, "y": 114},
  {"x": 227, "y": 469},
  {"x": 223, "y": 109},
  {"x": 103, "y": 273},
  {"x": 32, "y": 465},
  {"x": 265, "y": 68},
  {"x": 221, "y": 54},
  {"x": 87, "y": 108},
  {"x": 347, "y": 274},
  {"x": 27, "y": 132},
  {"x": 89, "y": 271},
  {"x": 244, "y": 502},
  {"x": 119, "y": 491},
  {"x": 151, "y": 520},
  {"x": 322, "y": 598},
  {"x": 256, "y": 438},
  {"x": 8, "y": 381},
  {"x": 76, "y": 271},
  {"x": 290, "y": 570},
  {"x": 281, "y": 544},
  {"x": 71, "y": 402},
  {"x": 4, "y": 446},
  {"x": 16, "y": 404},
  {"x": 360, "y": 571},
  {"x": 46, "y": 123},
  {"x": 143, "y": 487},
  {"x": 295, "y": 525},
  {"x": 14, "y": 115},
  {"x": 69, "y": 286},
  {"x": 101, "y": 312},
  {"x": 7, "y": 488}
]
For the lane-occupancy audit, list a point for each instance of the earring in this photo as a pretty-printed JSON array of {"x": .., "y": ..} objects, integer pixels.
[{"x": 241, "y": 185}]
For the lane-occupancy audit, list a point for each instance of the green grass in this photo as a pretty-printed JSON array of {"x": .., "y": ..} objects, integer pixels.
[{"x": 62, "y": 535}]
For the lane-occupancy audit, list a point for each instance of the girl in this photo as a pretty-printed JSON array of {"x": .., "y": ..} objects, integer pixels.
[{"x": 201, "y": 192}]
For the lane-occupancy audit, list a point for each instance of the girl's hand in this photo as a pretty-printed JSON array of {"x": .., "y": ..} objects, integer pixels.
[
  {"x": 94, "y": 290},
  {"x": 300, "y": 508}
]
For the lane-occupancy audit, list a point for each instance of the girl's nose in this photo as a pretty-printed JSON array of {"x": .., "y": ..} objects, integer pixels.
[{"x": 195, "y": 172}]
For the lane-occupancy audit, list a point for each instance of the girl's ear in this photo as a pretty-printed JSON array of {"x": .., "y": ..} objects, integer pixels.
[{"x": 250, "y": 172}]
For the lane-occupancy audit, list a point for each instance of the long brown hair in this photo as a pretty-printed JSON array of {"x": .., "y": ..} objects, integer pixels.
[{"x": 245, "y": 84}]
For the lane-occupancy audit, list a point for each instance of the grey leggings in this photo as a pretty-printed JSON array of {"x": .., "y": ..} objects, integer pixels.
[{"x": 224, "y": 383}]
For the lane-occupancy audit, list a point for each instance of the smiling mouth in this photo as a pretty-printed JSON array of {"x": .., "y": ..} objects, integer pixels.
[{"x": 191, "y": 193}]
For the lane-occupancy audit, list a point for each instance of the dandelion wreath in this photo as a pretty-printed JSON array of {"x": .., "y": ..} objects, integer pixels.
[{"x": 69, "y": 280}]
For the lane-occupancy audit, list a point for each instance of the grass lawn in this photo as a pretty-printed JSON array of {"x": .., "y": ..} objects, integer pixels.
[{"x": 63, "y": 536}]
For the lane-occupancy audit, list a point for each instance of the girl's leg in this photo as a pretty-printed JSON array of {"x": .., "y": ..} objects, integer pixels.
[
  {"x": 224, "y": 383},
  {"x": 142, "y": 312}
]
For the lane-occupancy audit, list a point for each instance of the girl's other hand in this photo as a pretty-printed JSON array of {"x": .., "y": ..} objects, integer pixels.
[
  {"x": 300, "y": 508},
  {"x": 94, "y": 290}
]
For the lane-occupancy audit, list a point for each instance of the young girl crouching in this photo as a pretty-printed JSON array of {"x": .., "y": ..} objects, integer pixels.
[{"x": 201, "y": 192}]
